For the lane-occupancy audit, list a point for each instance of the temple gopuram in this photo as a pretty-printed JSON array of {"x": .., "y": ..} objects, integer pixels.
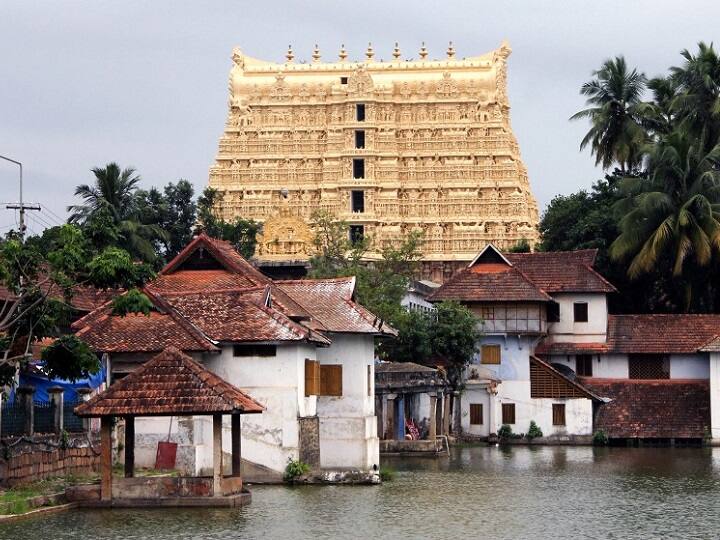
[{"x": 387, "y": 146}]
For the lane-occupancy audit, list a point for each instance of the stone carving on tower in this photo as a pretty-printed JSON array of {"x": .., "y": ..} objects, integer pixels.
[{"x": 389, "y": 147}]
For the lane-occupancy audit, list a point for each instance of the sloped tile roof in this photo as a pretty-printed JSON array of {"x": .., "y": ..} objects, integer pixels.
[
  {"x": 224, "y": 253},
  {"x": 169, "y": 384},
  {"x": 329, "y": 303},
  {"x": 652, "y": 408},
  {"x": 136, "y": 332},
  {"x": 562, "y": 271},
  {"x": 83, "y": 297},
  {"x": 239, "y": 316},
  {"x": 199, "y": 280},
  {"x": 490, "y": 282},
  {"x": 676, "y": 333},
  {"x": 571, "y": 348}
]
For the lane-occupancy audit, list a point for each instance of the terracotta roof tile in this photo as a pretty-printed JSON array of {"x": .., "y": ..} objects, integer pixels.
[
  {"x": 199, "y": 280},
  {"x": 239, "y": 316},
  {"x": 562, "y": 271},
  {"x": 329, "y": 302},
  {"x": 571, "y": 348},
  {"x": 171, "y": 383},
  {"x": 224, "y": 253},
  {"x": 652, "y": 409},
  {"x": 490, "y": 282},
  {"x": 139, "y": 333},
  {"x": 661, "y": 333}
]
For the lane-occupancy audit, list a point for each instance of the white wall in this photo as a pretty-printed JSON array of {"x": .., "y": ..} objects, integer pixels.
[
  {"x": 569, "y": 331},
  {"x": 348, "y": 427},
  {"x": 578, "y": 412},
  {"x": 475, "y": 395},
  {"x": 689, "y": 366},
  {"x": 278, "y": 383},
  {"x": 515, "y": 354}
]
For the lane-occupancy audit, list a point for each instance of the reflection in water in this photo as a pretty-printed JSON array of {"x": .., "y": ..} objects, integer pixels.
[{"x": 482, "y": 492}]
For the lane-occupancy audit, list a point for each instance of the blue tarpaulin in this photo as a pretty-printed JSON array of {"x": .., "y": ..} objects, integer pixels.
[{"x": 42, "y": 383}]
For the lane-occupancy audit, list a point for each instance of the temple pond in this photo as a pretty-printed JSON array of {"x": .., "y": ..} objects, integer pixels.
[{"x": 484, "y": 492}]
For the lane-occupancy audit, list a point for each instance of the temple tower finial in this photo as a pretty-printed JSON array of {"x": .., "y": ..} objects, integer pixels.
[
  {"x": 423, "y": 52},
  {"x": 396, "y": 51}
]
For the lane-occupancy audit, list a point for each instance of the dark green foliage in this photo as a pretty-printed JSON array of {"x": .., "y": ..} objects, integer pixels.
[
  {"x": 413, "y": 341},
  {"x": 661, "y": 214},
  {"x": 70, "y": 358},
  {"x": 114, "y": 267},
  {"x": 111, "y": 213},
  {"x": 454, "y": 336},
  {"x": 505, "y": 432},
  {"x": 174, "y": 211},
  {"x": 241, "y": 233},
  {"x": 522, "y": 246},
  {"x": 295, "y": 469},
  {"x": 133, "y": 301},
  {"x": 387, "y": 474},
  {"x": 534, "y": 431},
  {"x": 382, "y": 283},
  {"x": 616, "y": 114},
  {"x": 600, "y": 438}
]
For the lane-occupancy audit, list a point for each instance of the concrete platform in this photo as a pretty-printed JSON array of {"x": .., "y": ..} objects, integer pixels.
[{"x": 223, "y": 501}]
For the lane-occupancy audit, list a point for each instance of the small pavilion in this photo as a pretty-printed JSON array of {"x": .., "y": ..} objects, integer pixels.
[{"x": 170, "y": 384}]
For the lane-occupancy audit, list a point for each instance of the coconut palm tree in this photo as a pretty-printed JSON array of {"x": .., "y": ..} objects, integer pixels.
[
  {"x": 616, "y": 112},
  {"x": 697, "y": 104},
  {"x": 672, "y": 216},
  {"x": 111, "y": 203}
]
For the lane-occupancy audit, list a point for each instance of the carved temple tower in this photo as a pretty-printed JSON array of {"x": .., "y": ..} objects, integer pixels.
[{"x": 388, "y": 146}]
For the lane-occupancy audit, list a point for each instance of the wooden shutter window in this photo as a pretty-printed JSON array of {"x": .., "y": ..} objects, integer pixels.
[
  {"x": 583, "y": 365},
  {"x": 476, "y": 414},
  {"x": 558, "y": 414},
  {"x": 330, "y": 380},
  {"x": 312, "y": 377},
  {"x": 508, "y": 413},
  {"x": 490, "y": 354},
  {"x": 580, "y": 312}
]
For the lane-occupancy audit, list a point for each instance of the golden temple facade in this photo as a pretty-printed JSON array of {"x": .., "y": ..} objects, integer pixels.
[{"x": 387, "y": 146}]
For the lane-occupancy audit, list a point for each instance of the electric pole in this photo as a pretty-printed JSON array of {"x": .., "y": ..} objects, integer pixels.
[{"x": 21, "y": 205}]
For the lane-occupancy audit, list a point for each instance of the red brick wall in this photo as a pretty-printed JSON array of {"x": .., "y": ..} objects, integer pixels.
[{"x": 27, "y": 460}]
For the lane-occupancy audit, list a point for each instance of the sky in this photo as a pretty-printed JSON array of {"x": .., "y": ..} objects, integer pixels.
[{"x": 84, "y": 83}]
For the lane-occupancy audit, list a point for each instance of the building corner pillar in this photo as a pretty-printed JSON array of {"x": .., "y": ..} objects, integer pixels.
[
  {"x": 715, "y": 396},
  {"x": 217, "y": 455}
]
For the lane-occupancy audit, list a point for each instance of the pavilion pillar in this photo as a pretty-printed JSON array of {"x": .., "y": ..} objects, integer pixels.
[
  {"x": 235, "y": 436},
  {"x": 446, "y": 414},
  {"x": 432, "y": 432},
  {"x": 106, "y": 458},
  {"x": 389, "y": 432},
  {"x": 380, "y": 416},
  {"x": 400, "y": 418},
  {"x": 217, "y": 455},
  {"x": 129, "y": 446}
]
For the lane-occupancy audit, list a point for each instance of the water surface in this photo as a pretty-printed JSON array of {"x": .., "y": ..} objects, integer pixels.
[{"x": 480, "y": 492}]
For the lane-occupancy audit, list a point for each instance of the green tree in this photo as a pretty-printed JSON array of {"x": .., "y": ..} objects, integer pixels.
[
  {"x": 174, "y": 210},
  {"x": 110, "y": 211},
  {"x": 241, "y": 233},
  {"x": 454, "y": 336},
  {"x": 617, "y": 115},
  {"x": 381, "y": 282},
  {"x": 40, "y": 276},
  {"x": 697, "y": 102},
  {"x": 672, "y": 219}
]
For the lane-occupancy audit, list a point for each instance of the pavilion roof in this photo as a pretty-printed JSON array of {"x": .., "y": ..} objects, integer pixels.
[{"x": 170, "y": 384}]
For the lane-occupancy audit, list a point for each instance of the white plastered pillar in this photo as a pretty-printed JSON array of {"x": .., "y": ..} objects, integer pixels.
[{"x": 715, "y": 395}]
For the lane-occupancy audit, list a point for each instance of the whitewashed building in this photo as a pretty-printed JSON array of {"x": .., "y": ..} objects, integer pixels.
[
  {"x": 304, "y": 349},
  {"x": 551, "y": 353}
]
